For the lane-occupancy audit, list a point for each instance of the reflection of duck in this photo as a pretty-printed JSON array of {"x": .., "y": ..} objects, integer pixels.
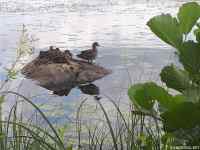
[
  {"x": 89, "y": 89},
  {"x": 90, "y": 54}
]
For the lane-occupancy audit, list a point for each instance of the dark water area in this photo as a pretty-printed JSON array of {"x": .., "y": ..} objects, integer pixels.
[{"x": 129, "y": 48}]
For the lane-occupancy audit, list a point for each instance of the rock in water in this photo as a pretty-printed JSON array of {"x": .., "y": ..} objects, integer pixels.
[
  {"x": 57, "y": 72},
  {"x": 90, "y": 72}
]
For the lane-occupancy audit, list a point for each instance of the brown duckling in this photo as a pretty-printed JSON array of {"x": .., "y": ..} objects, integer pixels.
[
  {"x": 68, "y": 53},
  {"x": 52, "y": 56},
  {"x": 90, "y": 54},
  {"x": 59, "y": 57},
  {"x": 51, "y": 48}
]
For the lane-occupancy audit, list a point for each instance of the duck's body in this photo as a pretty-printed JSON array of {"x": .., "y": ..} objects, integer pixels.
[{"x": 90, "y": 54}]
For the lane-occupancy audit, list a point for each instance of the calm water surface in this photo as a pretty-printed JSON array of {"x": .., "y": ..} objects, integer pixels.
[{"x": 128, "y": 46}]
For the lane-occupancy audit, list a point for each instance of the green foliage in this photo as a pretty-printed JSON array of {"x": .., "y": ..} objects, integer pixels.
[
  {"x": 183, "y": 116},
  {"x": 188, "y": 15},
  {"x": 25, "y": 135},
  {"x": 17, "y": 132},
  {"x": 167, "y": 140},
  {"x": 175, "y": 78},
  {"x": 179, "y": 113},
  {"x": 2, "y": 98},
  {"x": 197, "y": 32},
  {"x": 25, "y": 45},
  {"x": 11, "y": 73},
  {"x": 146, "y": 94},
  {"x": 61, "y": 132},
  {"x": 70, "y": 147},
  {"x": 166, "y": 28},
  {"x": 189, "y": 57}
]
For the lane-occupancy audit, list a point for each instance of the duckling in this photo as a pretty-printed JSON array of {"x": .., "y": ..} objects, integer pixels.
[
  {"x": 90, "y": 54},
  {"x": 58, "y": 56},
  {"x": 51, "y": 48},
  {"x": 68, "y": 54}
]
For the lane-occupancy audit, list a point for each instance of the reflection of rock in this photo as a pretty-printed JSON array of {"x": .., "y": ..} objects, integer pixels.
[{"x": 57, "y": 71}]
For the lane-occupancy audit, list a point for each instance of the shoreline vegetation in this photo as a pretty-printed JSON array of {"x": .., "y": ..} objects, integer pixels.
[{"x": 155, "y": 118}]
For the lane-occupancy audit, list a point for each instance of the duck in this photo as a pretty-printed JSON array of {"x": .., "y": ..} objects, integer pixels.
[
  {"x": 68, "y": 54},
  {"x": 89, "y": 54}
]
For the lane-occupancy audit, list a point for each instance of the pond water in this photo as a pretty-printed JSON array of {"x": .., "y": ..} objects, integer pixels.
[{"x": 129, "y": 48}]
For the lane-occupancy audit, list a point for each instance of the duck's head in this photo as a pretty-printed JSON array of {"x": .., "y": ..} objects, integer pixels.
[
  {"x": 95, "y": 44},
  {"x": 57, "y": 49},
  {"x": 51, "y": 48}
]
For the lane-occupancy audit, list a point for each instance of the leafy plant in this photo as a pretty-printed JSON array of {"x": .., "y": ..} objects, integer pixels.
[
  {"x": 179, "y": 110},
  {"x": 17, "y": 131}
]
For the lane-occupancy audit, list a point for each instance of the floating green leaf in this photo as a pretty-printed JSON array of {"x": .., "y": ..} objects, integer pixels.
[
  {"x": 188, "y": 15},
  {"x": 166, "y": 28}
]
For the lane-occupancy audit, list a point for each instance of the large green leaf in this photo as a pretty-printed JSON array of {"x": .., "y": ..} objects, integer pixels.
[
  {"x": 192, "y": 94},
  {"x": 183, "y": 116},
  {"x": 166, "y": 28},
  {"x": 197, "y": 34},
  {"x": 190, "y": 58},
  {"x": 188, "y": 15},
  {"x": 146, "y": 94},
  {"x": 138, "y": 95},
  {"x": 175, "y": 78}
]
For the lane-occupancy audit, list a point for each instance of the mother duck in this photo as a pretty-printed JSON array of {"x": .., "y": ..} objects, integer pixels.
[{"x": 90, "y": 54}]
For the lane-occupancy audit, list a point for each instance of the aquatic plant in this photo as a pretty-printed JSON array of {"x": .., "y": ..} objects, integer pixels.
[
  {"x": 17, "y": 131},
  {"x": 114, "y": 128},
  {"x": 179, "y": 110}
]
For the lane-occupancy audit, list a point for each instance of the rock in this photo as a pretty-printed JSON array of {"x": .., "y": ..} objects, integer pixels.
[
  {"x": 91, "y": 72},
  {"x": 58, "y": 71}
]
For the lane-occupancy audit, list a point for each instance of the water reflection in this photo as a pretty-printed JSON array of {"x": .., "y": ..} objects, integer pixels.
[
  {"x": 64, "y": 92},
  {"x": 89, "y": 89}
]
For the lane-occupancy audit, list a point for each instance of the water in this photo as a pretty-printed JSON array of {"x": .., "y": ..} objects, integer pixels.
[{"x": 129, "y": 48}]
